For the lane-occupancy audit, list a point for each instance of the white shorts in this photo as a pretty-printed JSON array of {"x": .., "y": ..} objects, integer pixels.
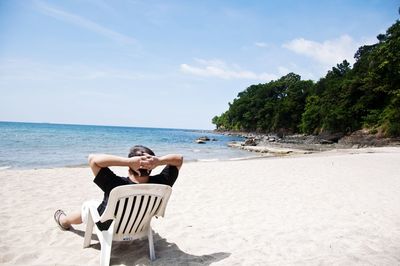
[{"x": 85, "y": 209}]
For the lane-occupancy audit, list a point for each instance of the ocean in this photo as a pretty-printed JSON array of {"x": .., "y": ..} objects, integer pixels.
[{"x": 42, "y": 145}]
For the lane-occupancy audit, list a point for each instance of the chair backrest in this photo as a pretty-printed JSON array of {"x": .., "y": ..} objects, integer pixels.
[{"x": 132, "y": 207}]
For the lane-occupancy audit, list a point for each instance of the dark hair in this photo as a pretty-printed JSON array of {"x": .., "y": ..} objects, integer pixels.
[{"x": 139, "y": 150}]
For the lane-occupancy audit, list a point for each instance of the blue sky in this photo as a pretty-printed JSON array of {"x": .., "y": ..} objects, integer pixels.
[{"x": 166, "y": 63}]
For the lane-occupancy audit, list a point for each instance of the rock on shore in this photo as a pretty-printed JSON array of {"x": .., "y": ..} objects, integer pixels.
[{"x": 303, "y": 144}]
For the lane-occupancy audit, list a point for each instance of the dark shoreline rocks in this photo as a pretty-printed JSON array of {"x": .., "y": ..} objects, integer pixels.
[
  {"x": 204, "y": 139},
  {"x": 301, "y": 143}
]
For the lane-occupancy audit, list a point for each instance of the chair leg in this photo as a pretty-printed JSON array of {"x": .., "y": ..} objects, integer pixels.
[
  {"x": 106, "y": 243},
  {"x": 88, "y": 232},
  {"x": 151, "y": 244}
]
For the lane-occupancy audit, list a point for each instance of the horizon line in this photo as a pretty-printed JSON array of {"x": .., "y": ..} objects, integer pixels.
[{"x": 99, "y": 125}]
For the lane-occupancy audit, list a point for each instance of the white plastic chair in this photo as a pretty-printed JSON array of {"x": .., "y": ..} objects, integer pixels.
[{"x": 131, "y": 208}]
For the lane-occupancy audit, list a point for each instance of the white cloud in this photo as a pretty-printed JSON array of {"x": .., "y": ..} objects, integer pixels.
[
  {"x": 261, "y": 44},
  {"x": 84, "y": 23},
  {"x": 25, "y": 69},
  {"x": 219, "y": 69},
  {"x": 329, "y": 52}
]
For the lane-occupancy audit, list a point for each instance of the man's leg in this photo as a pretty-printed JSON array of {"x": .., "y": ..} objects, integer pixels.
[
  {"x": 66, "y": 220},
  {"x": 69, "y": 219}
]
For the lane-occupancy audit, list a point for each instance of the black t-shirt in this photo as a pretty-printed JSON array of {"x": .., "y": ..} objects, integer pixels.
[{"x": 107, "y": 180}]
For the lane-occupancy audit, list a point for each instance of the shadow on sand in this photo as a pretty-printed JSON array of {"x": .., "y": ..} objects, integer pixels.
[{"x": 137, "y": 252}]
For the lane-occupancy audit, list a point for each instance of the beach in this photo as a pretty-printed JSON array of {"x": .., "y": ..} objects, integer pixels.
[{"x": 340, "y": 207}]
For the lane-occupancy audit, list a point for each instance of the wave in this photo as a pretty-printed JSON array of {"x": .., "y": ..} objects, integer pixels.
[
  {"x": 230, "y": 159},
  {"x": 208, "y": 160},
  {"x": 4, "y": 167},
  {"x": 252, "y": 157}
]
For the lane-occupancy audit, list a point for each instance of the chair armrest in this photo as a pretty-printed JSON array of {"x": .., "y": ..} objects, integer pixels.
[{"x": 94, "y": 213}]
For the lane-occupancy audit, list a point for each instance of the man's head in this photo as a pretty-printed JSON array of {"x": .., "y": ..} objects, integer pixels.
[{"x": 140, "y": 150}]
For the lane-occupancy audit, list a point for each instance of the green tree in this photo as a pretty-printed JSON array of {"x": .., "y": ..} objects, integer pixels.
[{"x": 345, "y": 100}]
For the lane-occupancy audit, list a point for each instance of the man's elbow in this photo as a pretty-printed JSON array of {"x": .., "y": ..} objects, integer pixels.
[
  {"x": 91, "y": 159},
  {"x": 179, "y": 160}
]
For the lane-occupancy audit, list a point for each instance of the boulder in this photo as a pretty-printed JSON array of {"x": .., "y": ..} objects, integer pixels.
[
  {"x": 251, "y": 142},
  {"x": 328, "y": 136},
  {"x": 363, "y": 138},
  {"x": 325, "y": 141}
]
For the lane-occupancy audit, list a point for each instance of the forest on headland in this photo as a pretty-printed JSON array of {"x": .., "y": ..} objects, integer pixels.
[{"x": 347, "y": 99}]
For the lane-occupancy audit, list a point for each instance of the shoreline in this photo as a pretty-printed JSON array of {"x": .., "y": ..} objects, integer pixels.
[
  {"x": 81, "y": 166},
  {"x": 281, "y": 145},
  {"x": 260, "y": 153}
]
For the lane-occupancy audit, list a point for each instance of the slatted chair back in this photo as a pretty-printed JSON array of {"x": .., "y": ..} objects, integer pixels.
[{"x": 132, "y": 207}]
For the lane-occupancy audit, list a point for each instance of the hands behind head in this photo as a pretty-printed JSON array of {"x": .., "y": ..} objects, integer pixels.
[
  {"x": 146, "y": 161},
  {"x": 149, "y": 162}
]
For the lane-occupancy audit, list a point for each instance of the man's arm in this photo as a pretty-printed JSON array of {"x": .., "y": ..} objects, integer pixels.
[
  {"x": 98, "y": 161},
  {"x": 169, "y": 159}
]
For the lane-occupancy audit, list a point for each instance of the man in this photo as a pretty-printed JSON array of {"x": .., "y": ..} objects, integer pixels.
[{"x": 141, "y": 160}]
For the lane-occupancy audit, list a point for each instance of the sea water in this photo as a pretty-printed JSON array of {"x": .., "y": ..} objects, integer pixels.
[{"x": 41, "y": 145}]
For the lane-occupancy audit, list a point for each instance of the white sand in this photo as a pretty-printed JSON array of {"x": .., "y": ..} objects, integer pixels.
[{"x": 336, "y": 208}]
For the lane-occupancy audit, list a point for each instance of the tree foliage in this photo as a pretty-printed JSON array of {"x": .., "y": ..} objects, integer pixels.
[
  {"x": 267, "y": 107},
  {"x": 345, "y": 100}
]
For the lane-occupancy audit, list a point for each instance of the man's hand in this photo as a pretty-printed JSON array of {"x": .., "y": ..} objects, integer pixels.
[
  {"x": 149, "y": 162},
  {"x": 169, "y": 159},
  {"x": 135, "y": 163}
]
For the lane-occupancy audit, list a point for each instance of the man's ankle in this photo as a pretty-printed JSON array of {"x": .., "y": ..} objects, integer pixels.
[{"x": 64, "y": 222}]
